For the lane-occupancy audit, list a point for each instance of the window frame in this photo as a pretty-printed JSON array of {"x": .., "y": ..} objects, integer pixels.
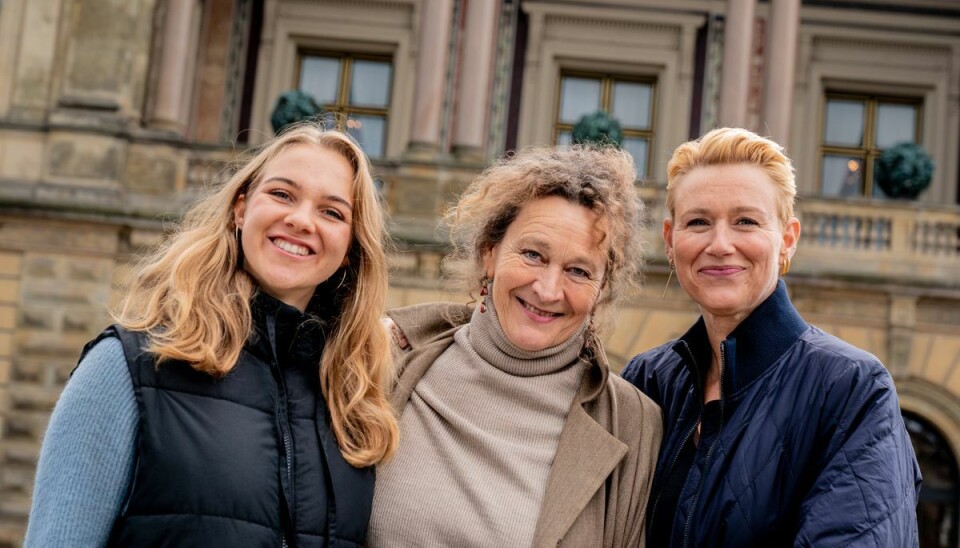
[
  {"x": 868, "y": 152},
  {"x": 607, "y": 81},
  {"x": 342, "y": 107}
]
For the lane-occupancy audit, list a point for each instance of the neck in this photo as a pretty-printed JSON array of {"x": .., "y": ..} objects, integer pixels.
[{"x": 718, "y": 329}]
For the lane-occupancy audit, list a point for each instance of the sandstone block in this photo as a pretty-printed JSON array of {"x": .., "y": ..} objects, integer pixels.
[
  {"x": 9, "y": 291},
  {"x": 85, "y": 159},
  {"x": 152, "y": 169},
  {"x": 10, "y": 264}
]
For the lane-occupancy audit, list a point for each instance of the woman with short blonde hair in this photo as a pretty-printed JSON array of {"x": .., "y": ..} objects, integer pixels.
[{"x": 775, "y": 432}]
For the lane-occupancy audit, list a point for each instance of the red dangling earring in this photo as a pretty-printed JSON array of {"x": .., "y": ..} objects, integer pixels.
[{"x": 484, "y": 291}]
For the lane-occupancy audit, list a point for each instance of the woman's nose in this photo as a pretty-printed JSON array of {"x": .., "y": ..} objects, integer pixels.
[
  {"x": 300, "y": 218},
  {"x": 547, "y": 285},
  {"x": 721, "y": 240}
]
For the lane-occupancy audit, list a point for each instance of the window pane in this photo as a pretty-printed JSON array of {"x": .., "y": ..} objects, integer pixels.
[
  {"x": 875, "y": 190},
  {"x": 637, "y": 147},
  {"x": 564, "y": 138},
  {"x": 320, "y": 77},
  {"x": 895, "y": 124},
  {"x": 842, "y": 175},
  {"x": 370, "y": 83},
  {"x": 578, "y": 96},
  {"x": 370, "y": 132},
  {"x": 844, "y": 124},
  {"x": 631, "y": 104}
]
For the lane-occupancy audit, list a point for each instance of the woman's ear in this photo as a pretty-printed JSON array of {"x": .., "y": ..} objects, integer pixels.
[
  {"x": 791, "y": 235},
  {"x": 490, "y": 261},
  {"x": 668, "y": 237},
  {"x": 239, "y": 208}
]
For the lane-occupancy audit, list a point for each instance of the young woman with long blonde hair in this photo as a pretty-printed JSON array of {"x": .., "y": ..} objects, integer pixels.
[{"x": 240, "y": 398}]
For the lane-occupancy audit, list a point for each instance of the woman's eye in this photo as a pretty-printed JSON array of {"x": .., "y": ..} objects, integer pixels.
[
  {"x": 334, "y": 214},
  {"x": 697, "y": 222},
  {"x": 530, "y": 254},
  {"x": 579, "y": 272},
  {"x": 747, "y": 221},
  {"x": 280, "y": 193}
]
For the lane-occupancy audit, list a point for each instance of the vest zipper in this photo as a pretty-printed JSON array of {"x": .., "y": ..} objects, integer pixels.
[
  {"x": 706, "y": 462},
  {"x": 284, "y": 431},
  {"x": 286, "y": 448}
]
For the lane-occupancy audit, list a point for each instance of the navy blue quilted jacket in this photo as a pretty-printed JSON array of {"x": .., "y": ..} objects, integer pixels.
[{"x": 810, "y": 447}]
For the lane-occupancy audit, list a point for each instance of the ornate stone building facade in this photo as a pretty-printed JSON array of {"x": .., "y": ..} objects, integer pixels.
[{"x": 115, "y": 113}]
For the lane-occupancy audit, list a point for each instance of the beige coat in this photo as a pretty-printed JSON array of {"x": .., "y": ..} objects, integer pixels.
[{"x": 600, "y": 480}]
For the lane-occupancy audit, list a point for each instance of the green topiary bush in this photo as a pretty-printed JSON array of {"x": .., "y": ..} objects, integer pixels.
[
  {"x": 598, "y": 128},
  {"x": 291, "y": 107},
  {"x": 904, "y": 171}
]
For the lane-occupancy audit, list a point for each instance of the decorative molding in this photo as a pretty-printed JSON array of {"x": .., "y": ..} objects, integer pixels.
[
  {"x": 502, "y": 77},
  {"x": 879, "y": 45},
  {"x": 235, "y": 69},
  {"x": 607, "y": 22}
]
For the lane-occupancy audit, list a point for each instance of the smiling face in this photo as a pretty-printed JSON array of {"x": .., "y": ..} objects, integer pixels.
[
  {"x": 296, "y": 222},
  {"x": 547, "y": 272},
  {"x": 726, "y": 240}
]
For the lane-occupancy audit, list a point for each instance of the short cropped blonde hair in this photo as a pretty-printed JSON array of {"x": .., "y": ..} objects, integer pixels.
[{"x": 729, "y": 145}]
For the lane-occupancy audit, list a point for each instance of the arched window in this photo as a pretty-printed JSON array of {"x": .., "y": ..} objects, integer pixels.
[{"x": 937, "y": 511}]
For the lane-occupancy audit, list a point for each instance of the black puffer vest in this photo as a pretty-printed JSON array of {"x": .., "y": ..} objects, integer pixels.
[{"x": 245, "y": 460}]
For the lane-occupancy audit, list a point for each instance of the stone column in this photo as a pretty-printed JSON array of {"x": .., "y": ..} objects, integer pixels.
[
  {"x": 431, "y": 73},
  {"x": 779, "y": 68},
  {"x": 170, "y": 106},
  {"x": 476, "y": 73},
  {"x": 735, "y": 81}
]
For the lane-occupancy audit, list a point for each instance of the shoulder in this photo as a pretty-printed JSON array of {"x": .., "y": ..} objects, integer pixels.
[
  {"x": 102, "y": 362},
  {"x": 835, "y": 360},
  {"x": 654, "y": 370},
  {"x": 650, "y": 362},
  {"x": 635, "y": 415},
  {"x": 421, "y": 323}
]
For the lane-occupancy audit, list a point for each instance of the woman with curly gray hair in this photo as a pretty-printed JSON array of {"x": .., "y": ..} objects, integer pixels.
[{"x": 514, "y": 432}]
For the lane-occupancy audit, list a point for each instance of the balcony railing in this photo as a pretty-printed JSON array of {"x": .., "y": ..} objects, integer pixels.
[{"x": 878, "y": 240}]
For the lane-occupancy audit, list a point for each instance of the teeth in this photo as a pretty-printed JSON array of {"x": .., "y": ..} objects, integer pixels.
[
  {"x": 291, "y": 248},
  {"x": 536, "y": 310}
]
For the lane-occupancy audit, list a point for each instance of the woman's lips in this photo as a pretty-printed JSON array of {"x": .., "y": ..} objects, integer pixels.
[
  {"x": 721, "y": 270},
  {"x": 536, "y": 314}
]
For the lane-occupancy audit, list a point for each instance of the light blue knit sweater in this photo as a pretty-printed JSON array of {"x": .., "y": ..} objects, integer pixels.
[{"x": 87, "y": 454}]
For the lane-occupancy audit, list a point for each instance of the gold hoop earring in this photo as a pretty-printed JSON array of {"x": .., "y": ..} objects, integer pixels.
[
  {"x": 669, "y": 277},
  {"x": 785, "y": 267}
]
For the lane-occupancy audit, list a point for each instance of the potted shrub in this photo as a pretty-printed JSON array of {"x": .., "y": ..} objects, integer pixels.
[
  {"x": 598, "y": 128},
  {"x": 291, "y": 107},
  {"x": 904, "y": 171}
]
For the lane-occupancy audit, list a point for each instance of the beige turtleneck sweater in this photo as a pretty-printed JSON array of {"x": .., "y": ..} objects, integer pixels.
[{"x": 478, "y": 437}]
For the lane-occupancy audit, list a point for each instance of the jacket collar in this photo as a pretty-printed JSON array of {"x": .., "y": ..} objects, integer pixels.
[
  {"x": 284, "y": 333},
  {"x": 755, "y": 344}
]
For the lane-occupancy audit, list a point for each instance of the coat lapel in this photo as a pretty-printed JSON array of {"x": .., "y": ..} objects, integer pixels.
[{"x": 586, "y": 455}]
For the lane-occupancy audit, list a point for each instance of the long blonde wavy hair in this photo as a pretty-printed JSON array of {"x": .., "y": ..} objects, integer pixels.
[{"x": 193, "y": 301}]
